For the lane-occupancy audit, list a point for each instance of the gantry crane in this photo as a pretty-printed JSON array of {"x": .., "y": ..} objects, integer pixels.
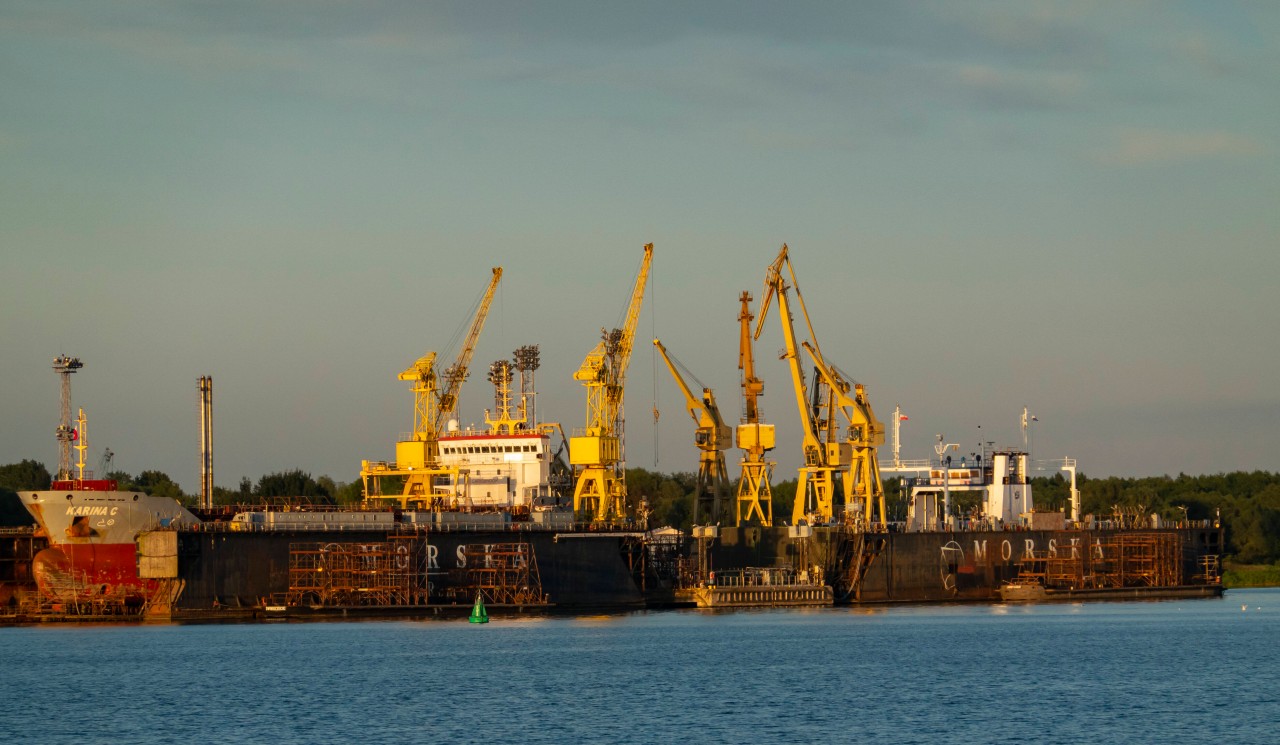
[
  {"x": 865, "y": 434},
  {"x": 815, "y": 494},
  {"x": 754, "y": 437},
  {"x": 596, "y": 454},
  {"x": 712, "y": 437},
  {"x": 435, "y": 399}
]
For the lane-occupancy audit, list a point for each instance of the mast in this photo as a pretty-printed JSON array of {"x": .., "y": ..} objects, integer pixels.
[{"x": 65, "y": 366}]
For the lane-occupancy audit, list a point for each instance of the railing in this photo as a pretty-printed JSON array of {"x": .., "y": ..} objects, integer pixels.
[
  {"x": 582, "y": 528},
  {"x": 757, "y": 577},
  {"x": 921, "y": 464}
]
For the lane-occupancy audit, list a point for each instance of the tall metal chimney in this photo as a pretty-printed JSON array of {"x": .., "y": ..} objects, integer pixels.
[{"x": 206, "y": 442}]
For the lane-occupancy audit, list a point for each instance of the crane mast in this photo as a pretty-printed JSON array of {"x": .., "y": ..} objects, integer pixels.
[
  {"x": 754, "y": 437},
  {"x": 821, "y": 460},
  {"x": 435, "y": 399},
  {"x": 596, "y": 450},
  {"x": 712, "y": 438}
]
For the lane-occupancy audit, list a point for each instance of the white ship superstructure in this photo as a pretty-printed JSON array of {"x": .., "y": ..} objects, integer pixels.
[{"x": 499, "y": 471}]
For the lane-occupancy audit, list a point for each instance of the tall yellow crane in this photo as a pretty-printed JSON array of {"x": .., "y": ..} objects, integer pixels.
[
  {"x": 600, "y": 490},
  {"x": 712, "y": 437},
  {"x": 435, "y": 399},
  {"x": 754, "y": 437},
  {"x": 866, "y": 433},
  {"x": 816, "y": 493}
]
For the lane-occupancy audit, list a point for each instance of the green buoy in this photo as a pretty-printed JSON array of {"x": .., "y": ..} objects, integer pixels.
[{"x": 478, "y": 613}]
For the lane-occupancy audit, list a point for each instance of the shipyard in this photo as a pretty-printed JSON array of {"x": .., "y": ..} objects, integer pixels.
[
  {"x": 722, "y": 372},
  {"x": 519, "y": 517}
]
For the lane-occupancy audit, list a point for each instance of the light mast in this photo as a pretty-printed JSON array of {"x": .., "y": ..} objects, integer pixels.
[{"x": 65, "y": 366}]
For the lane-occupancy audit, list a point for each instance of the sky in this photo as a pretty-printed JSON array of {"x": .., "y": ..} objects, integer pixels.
[{"x": 1065, "y": 206}]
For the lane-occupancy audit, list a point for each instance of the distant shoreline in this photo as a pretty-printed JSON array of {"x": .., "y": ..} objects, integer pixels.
[{"x": 1237, "y": 576}]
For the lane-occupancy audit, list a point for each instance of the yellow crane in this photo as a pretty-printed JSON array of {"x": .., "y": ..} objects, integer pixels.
[
  {"x": 754, "y": 437},
  {"x": 712, "y": 437},
  {"x": 435, "y": 399},
  {"x": 596, "y": 452},
  {"x": 815, "y": 495},
  {"x": 861, "y": 483}
]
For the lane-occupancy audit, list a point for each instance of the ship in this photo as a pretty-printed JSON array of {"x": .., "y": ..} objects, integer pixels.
[{"x": 91, "y": 528}]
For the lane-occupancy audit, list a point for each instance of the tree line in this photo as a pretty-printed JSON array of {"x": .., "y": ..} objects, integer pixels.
[{"x": 1247, "y": 503}]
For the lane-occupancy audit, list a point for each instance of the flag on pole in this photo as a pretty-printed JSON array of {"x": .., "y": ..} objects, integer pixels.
[{"x": 902, "y": 418}]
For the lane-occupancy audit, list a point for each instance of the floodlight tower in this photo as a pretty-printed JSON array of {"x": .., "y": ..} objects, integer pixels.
[
  {"x": 66, "y": 434},
  {"x": 528, "y": 360}
]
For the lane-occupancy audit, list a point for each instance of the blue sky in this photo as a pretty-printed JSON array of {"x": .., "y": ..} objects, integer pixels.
[{"x": 1065, "y": 206}]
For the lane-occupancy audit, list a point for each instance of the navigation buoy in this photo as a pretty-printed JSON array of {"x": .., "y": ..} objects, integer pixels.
[{"x": 478, "y": 613}]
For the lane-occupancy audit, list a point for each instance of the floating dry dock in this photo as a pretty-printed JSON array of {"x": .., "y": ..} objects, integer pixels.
[{"x": 775, "y": 587}]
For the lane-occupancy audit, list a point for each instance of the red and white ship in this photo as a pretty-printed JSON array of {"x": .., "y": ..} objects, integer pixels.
[{"x": 91, "y": 527}]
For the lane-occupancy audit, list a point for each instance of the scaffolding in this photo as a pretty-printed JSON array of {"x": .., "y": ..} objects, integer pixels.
[
  {"x": 503, "y": 573},
  {"x": 1143, "y": 560},
  {"x": 339, "y": 575},
  {"x": 1129, "y": 559}
]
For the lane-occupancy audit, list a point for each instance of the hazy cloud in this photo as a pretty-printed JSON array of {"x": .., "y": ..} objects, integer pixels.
[
  {"x": 1147, "y": 146},
  {"x": 1196, "y": 49},
  {"x": 1020, "y": 87}
]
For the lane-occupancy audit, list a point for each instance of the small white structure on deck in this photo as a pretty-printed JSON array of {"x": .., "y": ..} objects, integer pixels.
[{"x": 1002, "y": 478}]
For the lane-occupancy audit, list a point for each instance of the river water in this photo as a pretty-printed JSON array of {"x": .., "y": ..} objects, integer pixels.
[{"x": 1159, "y": 672}]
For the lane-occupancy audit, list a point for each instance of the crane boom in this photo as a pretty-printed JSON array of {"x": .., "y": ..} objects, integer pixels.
[
  {"x": 456, "y": 373},
  {"x": 712, "y": 438},
  {"x": 627, "y": 338},
  {"x": 818, "y": 470},
  {"x": 600, "y": 487}
]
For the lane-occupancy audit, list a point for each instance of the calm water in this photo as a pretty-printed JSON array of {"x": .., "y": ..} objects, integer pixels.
[{"x": 1184, "y": 672}]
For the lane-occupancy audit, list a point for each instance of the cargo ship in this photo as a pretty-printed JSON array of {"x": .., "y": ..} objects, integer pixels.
[{"x": 504, "y": 535}]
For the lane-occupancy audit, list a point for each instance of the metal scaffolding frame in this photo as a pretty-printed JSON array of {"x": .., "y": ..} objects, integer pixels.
[
  {"x": 503, "y": 573},
  {"x": 358, "y": 574},
  {"x": 1130, "y": 559}
]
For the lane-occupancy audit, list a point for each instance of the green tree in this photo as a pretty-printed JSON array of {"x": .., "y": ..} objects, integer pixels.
[
  {"x": 25, "y": 475},
  {"x": 295, "y": 483},
  {"x": 784, "y": 500},
  {"x": 158, "y": 484},
  {"x": 350, "y": 493}
]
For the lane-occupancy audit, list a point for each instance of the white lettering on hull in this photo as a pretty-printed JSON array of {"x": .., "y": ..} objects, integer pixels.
[{"x": 85, "y": 510}]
